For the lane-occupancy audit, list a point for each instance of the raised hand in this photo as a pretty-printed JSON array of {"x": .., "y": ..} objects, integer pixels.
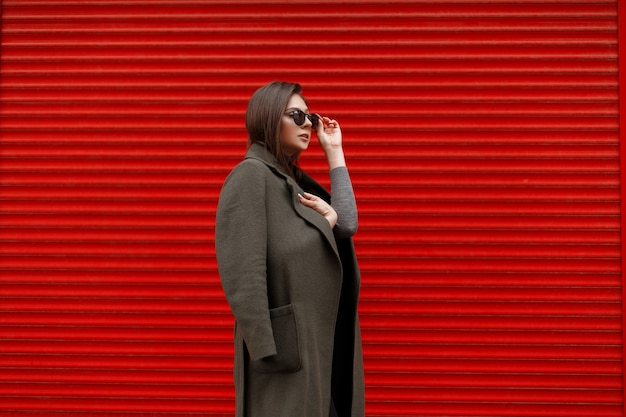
[
  {"x": 330, "y": 139},
  {"x": 321, "y": 206}
]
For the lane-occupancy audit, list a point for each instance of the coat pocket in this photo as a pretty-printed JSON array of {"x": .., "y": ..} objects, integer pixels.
[{"x": 285, "y": 329}]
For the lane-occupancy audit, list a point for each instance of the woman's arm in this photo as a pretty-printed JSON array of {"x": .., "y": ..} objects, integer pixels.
[
  {"x": 240, "y": 246},
  {"x": 343, "y": 201},
  {"x": 330, "y": 138},
  {"x": 342, "y": 195}
]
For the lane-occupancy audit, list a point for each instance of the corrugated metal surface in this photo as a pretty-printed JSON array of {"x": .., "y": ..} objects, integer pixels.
[
  {"x": 482, "y": 139},
  {"x": 622, "y": 108}
]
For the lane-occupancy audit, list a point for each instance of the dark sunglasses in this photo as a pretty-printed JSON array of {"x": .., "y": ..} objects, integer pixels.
[{"x": 299, "y": 117}]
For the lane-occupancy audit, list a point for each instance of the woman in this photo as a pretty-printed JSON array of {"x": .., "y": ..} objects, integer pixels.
[{"x": 288, "y": 267}]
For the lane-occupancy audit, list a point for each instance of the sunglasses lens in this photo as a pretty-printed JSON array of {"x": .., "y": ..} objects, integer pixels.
[
  {"x": 314, "y": 118},
  {"x": 298, "y": 117}
]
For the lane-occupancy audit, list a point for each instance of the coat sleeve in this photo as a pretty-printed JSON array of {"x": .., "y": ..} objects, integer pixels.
[
  {"x": 241, "y": 248},
  {"x": 343, "y": 201}
]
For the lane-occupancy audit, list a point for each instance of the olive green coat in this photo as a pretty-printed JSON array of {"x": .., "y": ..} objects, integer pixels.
[{"x": 293, "y": 289}]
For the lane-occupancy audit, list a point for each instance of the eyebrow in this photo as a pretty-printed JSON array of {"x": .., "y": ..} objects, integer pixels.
[{"x": 297, "y": 108}]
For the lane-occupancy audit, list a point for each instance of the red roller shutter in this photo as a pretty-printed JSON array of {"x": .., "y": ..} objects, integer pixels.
[{"x": 483, "y": 142}]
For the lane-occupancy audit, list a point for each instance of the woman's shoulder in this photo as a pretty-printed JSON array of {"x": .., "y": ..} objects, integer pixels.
[
  {"x": 249, "y": 173},
  {"x": 250, "y": 166}
]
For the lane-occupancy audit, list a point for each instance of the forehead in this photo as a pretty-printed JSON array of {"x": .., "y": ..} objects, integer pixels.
[{"x": 296, "y": 101}]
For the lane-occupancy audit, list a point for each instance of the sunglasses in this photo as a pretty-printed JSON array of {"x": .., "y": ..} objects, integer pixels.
[{"x": 299, "y": 118}]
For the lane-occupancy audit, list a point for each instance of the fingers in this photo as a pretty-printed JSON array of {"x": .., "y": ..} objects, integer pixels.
[
  {"x": 329, "y": 134},
  {"x": 320, "y": 206},
  {"x": 330, "y": 123},
  {"x": 315, "y": 203},
  {"x": 310, "y": 200},
  {"x": 326, "y": 122}
]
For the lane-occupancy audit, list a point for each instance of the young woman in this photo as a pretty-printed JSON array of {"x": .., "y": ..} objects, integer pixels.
[{"x": 288, "y": 267}]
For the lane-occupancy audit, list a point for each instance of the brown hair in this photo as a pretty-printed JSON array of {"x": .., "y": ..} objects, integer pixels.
[{"x": 263, "y": 119}]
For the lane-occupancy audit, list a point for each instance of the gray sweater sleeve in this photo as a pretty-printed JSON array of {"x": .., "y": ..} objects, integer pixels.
[{"x": 343, "y": 201}]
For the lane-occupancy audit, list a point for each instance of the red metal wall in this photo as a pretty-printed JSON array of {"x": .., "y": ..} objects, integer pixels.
[{"x": 483, "y": 142}]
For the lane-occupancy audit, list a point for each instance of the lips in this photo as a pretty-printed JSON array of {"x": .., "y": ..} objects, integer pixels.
[{"x": 304, "y": 137}]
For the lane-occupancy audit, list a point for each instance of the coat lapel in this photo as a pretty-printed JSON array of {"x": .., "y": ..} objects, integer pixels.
[{"x": 309, "y": 215}]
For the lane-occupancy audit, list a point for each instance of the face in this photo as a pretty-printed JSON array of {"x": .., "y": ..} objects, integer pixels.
[{"x": 294, "y": 138}]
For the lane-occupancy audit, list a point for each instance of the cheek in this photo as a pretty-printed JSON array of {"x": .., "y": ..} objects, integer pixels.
[{"x": 285, "y": 132}]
